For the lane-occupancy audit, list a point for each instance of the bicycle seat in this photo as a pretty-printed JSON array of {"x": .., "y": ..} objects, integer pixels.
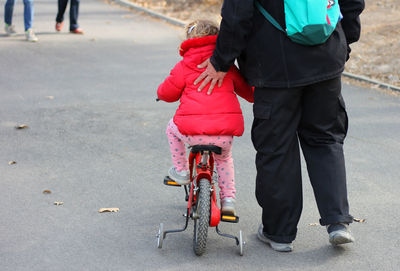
[{"x": 211, "y": 148}]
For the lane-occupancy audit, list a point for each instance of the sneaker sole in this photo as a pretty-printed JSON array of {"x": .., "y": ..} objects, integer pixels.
[
  {"x": 340, "y": 239},
  {"x": 265, "y": 240},
  {"x": 228, "y": 212},
  {"x": 177, "y": 181}
]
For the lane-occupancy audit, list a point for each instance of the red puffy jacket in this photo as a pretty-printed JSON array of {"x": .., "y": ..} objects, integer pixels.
[{"x": 199, "y": 113}]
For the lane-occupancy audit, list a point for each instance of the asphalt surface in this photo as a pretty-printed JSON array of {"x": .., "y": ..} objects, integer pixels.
[{"x": 96, "y": 139}]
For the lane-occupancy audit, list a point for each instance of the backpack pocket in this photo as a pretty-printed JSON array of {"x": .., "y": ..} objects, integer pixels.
[{"x": 308, "y": 22}]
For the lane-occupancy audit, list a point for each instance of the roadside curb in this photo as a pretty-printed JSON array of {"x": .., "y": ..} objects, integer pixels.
[
  {"x": 371, "y": 81},
  {"x": 170, "y": 20},
  {"x": 180, "y": 23}
]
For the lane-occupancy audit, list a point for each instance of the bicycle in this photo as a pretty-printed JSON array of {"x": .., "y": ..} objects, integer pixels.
[{"x": 202, "y": 201}]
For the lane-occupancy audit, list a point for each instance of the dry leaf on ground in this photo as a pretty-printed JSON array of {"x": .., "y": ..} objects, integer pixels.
[
  {"x": 12, "y": 162},
  {"x": 359, "y": 220},
  {"x": 313, "y": 224},
  {"x": 46, "y": 192},
  {"x": 108, "y": 210},
  {"x": 22, "y": 126},
  {"x": 58, "y": 203}
]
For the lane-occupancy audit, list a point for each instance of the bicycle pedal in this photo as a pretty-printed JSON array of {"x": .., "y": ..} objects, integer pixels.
[
  {"x": 168, "y": 181},
  {"x": 229, "y": 218}
]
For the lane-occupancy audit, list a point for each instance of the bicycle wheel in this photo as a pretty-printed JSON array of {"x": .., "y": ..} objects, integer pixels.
[
  {"x": 241, "y": 243},
  {"x": 202, "y": 220}
]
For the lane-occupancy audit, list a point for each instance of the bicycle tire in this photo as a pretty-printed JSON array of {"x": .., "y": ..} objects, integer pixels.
[{"x": 202, "y": 222}]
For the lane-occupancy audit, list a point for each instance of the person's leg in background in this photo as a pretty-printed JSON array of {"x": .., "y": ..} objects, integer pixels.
[
  {"x": 322, "y": 130},
  {"x": 277, "y": 114},
  {"x": 62, "y": 5},
  {"x": 28, "y": 14},
  {"x": 73, "y": 17},
  {"x": 28, "y": 21},
  {"x": 8, "y": 14}
]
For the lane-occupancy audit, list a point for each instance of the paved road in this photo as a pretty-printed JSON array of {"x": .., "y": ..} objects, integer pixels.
[{"x": 96, "y": 139}]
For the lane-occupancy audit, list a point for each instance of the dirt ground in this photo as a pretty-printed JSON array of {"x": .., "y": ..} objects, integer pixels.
[{"x": 376, "y": 55}]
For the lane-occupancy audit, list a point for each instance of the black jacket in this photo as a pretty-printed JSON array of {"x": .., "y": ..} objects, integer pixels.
[{"x": 268, "y": 58}]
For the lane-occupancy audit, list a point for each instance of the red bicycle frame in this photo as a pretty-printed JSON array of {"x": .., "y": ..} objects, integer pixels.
[{"x": 204, "y": 163}]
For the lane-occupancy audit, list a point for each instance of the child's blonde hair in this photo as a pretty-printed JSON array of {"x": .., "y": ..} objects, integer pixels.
[{"x": 201, "y": 28}]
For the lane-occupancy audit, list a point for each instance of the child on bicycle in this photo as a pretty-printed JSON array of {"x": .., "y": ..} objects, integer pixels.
[{"x": 203, "y": 119}]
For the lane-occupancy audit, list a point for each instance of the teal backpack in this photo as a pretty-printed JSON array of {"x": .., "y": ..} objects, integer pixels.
[{"x": 308, "y": 22}]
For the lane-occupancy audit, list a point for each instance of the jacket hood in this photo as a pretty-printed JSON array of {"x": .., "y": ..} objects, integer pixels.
[{"x": 197, "y": 50}]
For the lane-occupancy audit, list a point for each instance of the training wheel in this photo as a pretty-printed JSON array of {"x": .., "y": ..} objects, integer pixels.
[
  {"x": 241, "y": 243},
  {"x": 160, "y": 235}
]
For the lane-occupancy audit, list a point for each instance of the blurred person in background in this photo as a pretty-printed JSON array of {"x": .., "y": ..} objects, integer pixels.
[
  {"x": 28, "y": 19},
  {"x": 73, "y": 16}
]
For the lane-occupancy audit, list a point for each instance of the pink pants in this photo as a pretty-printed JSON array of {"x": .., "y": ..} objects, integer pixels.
[{"x": 223, "y": 162}]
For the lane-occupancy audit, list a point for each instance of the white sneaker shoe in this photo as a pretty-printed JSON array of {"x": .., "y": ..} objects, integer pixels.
[
  {"x": 10, "y": 30},
  {"x": 228, "y": 206},
  {"x": 30, "y": 35},
  {"x": 339, "y": 234},
  {"x": 281, "y": 247},
  {"x": 180, "y": 177}
]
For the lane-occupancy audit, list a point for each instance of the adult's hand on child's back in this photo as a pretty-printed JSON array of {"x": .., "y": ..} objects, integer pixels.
[{"x": 209, "y": 75}]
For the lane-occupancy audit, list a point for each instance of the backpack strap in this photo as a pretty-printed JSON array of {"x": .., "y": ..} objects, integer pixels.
[{"x": 268, "y": 16}]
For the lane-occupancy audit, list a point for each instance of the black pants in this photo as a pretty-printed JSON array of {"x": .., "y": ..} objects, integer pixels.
[
  {"x": 73, "y": 13},
  {"x": 315, "y": 116}
]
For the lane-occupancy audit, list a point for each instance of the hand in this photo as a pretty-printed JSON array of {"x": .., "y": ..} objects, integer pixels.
[{"x": 210, "y": 74}]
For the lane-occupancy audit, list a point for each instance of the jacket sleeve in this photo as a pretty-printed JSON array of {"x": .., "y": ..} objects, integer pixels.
[
  {"x": 235, "y": 26},
  {"x": 171, "y": 89},
  {"x": 351, "y": 10},
  {"x": 241, "y": 87}
]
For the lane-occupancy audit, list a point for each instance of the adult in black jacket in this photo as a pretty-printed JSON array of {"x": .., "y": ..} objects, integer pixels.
[{"x": 297, "y": 98}]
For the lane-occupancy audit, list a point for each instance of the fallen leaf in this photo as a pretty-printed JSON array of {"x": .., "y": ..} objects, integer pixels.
[
  {"x": 12, "y": 162},
  {"x": 58, "y": 203},
  {"x": 359, "y": 220},
  {"x": 313, "y": 224},
  {"x": 106, "y": 210},
  {"x": 22, "y": 126},
  {"x": 46, "y": 192}
]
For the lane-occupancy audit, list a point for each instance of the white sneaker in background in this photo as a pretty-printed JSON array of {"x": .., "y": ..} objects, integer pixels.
[
  {"x": 10, "y": 30},
  {"x": 30, "y": 35}
]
